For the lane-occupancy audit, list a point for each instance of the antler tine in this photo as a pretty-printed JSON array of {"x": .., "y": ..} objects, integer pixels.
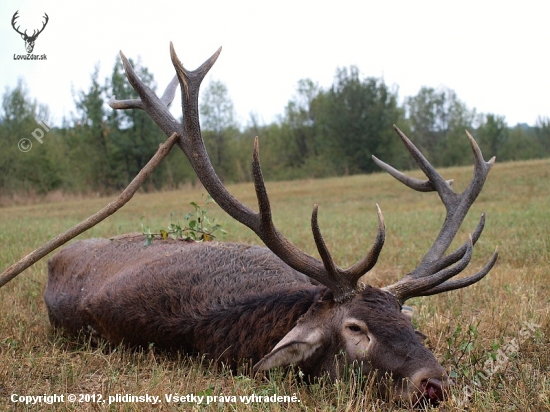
[
  {"x": 193, "y": 78},
  {"x": 439, "y": 184},
  {"x": 15, "y": 17},
  {"x": 166, "y": 99},
  {"x": 170, "y": 92},
  {"x": 408, "y": 288},
  {"x": 259, "y": 185},
  {"x": 322, "y": 248},
  {"x": 156, "y": 108},
  {"x": 43, "y": 24},
  {"x": 125, "y": 104},
  {"x": 412, "y": 182},
  {"x": 368, "y": 262},
  {"x": 462, "y": 283},
  {"x": 434, "y": 269},
  {"x": 454, "y": 257},
  {"x": 446, "y": 262}
]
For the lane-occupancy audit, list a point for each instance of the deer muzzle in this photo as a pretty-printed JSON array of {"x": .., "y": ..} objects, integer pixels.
[{"x": 426, "y": 389}]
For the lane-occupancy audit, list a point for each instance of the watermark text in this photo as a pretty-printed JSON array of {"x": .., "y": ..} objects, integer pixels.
[{"x": 25, "y": 144}]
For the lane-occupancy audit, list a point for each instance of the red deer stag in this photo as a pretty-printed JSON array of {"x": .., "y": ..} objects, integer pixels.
[{"x": 273, "y": 306}]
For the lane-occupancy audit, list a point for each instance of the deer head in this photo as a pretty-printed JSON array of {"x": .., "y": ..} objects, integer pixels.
[{"x": 29, "y": 40}]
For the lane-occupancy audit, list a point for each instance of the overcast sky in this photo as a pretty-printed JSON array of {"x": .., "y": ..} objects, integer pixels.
[{"x": 494, "y": 54}]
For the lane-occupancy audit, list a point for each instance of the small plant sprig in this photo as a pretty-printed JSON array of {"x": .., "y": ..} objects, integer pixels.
[
  {"x": 462, "y": 350},
  {"x": 199, "y": 226}
]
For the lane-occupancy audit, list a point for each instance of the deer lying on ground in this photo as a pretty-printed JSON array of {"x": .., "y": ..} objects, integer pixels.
[{"x": 274, "y": 306}]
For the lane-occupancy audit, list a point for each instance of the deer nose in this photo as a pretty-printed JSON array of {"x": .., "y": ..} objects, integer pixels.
[
  {"x": 429, "y": 386},
  {"x": 432, "y": 391}
]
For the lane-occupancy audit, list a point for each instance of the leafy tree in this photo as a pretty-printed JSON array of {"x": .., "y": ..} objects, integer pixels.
[
  {"x": 542, "y": 133},
  {"x": 90, "y": 136},
  {"x": 437, "y": 120},
  {"x": 355, "y": 119},
  {"x": 299, "y": 134},
  {"x": 134, "y": 137},
  {"x": 20, "y": 170},
  {"x": 219, "y": 125},
  {"x": 492, "y": 135},
  {"x": 521, "y": 144},
  {"x": 322, "y": 132}
]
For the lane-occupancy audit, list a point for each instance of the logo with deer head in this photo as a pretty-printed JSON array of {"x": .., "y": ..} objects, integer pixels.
[{"x": 29, "y": 40}]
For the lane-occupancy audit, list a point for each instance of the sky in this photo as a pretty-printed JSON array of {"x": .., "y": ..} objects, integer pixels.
[{"x": 494, "y": 54}]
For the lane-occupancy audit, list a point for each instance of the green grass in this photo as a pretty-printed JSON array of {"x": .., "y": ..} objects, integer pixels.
[{"x": 466, "y": 328}]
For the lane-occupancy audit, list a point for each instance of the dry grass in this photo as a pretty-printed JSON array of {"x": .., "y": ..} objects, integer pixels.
[{"x": 466, "y": 328}]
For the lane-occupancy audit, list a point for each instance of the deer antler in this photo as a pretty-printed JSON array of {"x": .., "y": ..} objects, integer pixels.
[
  {"x": 15, "y": 17},
  {"x": 342, "y": 282},
  {"x": 35, "y": 35},
  {"x": 432, "y": 275},
  {"x": 24, "y": 34}
]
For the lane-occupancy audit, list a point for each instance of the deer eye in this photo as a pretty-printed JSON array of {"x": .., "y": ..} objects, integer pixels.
[{"x": 354, "y": 328}]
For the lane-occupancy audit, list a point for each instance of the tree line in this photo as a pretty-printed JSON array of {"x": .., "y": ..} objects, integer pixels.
[{"x": 322, "y": 132}]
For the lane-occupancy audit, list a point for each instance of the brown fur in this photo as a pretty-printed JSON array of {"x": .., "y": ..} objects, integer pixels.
[{"x": 171, "y": 291}]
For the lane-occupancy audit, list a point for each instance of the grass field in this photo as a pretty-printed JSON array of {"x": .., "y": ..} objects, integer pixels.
[{"x": 498, "y": 327}]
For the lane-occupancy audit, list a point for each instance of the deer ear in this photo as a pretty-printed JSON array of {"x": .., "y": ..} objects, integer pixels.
[
  {"x": 407, "y": 311},
  {"x": 421, "y": 336},
  {"x": 298, "y": 344}
]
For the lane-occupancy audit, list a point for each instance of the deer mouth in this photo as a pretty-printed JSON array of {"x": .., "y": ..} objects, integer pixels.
[
  {"x": 431, "y": 392},
  {"x": 425, "y": 392}
]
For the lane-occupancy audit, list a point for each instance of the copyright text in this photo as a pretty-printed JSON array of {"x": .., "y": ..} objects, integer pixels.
[{"x": 170, "y": 398}]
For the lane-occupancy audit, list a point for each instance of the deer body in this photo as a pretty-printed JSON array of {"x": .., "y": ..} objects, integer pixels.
[
  {"x": 172, "y": 291},
  {"x": 231, "y": 303}
]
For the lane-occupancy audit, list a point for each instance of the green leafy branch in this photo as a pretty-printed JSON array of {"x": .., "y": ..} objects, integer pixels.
[{"x": 199, "y": 227}]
